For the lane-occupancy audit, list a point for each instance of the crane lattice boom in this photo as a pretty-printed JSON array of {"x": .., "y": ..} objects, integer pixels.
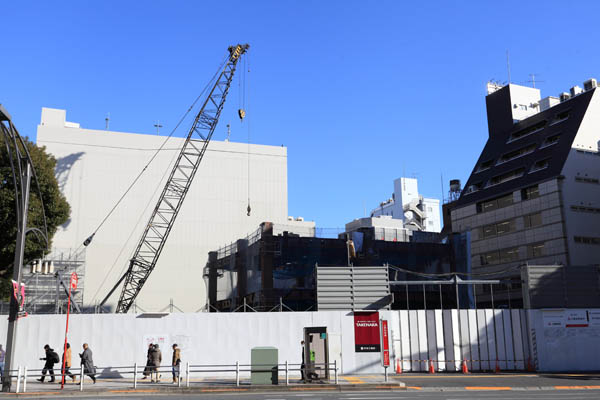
[{"x": 169, "y": 203}]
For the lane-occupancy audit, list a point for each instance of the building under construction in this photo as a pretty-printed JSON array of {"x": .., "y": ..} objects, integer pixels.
[{"x": 275, "y": 267}]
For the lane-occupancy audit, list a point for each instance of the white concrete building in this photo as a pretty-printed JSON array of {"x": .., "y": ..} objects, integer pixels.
[
  {"x": 406, "y": 204},
  {"x": 94, "y": 168}
]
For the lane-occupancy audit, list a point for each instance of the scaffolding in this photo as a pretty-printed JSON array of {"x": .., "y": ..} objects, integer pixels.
[{"x": 46, "y": 282}]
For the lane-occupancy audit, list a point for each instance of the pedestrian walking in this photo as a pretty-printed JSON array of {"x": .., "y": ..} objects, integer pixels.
[
  {"x": 87, "y": 362},
  {"x": 148, "y": 369},
  {"x": 156, "y": 358},
  {"x": 303, "y": 365},
  {"x": 67, "y": 362},
  {"x": 176, "y": 363},
  {"x": 2, "y": 354},
  {"x": 51, "y": 359}
]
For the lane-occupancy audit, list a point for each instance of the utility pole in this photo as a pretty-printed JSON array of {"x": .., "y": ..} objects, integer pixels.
[{"x": 23, "y": 202}]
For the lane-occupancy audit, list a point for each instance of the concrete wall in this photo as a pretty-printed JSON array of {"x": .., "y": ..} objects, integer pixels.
[{"x": 94, "y": 168}]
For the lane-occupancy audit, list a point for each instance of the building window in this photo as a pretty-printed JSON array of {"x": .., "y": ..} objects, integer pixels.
[
  {"x": 560, "y": 117},
  {"x": 485, "y": 165},
  {"x": 523, "y": 151},
  {"x": 507, "y": 176},
  {"x": 473, "y": 188},
  {"x": 429, "y": 209},
  {"x": 500, "y": 256},
  {"x": 540, "y": 165},
  {"x": 496, "y": 229},
  {"x": 523, "y": 107},
  {"x": 532, "y": 220},
  {"x": 535, "y": 250},
  {"x": 532, "y": 192},
  {"x": 586, "y": 180},
  {"x": 587, "y": 240},
  {"x": 494, "y": 204},
  {"x": 586, "y": 209},
  {"x": 550, "y": 140},
  {"x": 530, "y": 130}
]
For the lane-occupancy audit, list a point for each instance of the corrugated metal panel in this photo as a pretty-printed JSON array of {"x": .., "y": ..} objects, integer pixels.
[{"x": 353, "y": 288}]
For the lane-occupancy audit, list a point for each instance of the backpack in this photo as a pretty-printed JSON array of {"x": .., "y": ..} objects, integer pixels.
[{"x": 54, "y": 357}]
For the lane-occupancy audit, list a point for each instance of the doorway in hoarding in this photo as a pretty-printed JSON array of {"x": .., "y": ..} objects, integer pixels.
[{"x": 316, "y": 353}]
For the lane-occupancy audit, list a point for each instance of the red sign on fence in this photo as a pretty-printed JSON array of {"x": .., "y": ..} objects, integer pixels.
[
  {"x": 366, "y": 332},
  {"x": 74, "y": 281},
  {"x": 385, "y": 343}
]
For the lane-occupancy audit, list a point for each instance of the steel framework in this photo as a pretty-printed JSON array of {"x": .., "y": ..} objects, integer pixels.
[{"x": 169, "y": 203}]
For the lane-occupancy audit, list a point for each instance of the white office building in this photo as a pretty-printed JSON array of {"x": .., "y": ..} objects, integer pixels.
[
  {"x": 415, "y": 211},
  {"x": 95, "y": 167}
]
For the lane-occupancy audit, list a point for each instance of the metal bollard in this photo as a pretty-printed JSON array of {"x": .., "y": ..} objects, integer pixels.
[
  {"x": 25, "y": 380},
  {"x": 237, "y": 373},
  {"x": 187, "y": 374},
  {"x": 81, "y": 380},
  {"x": 335, "y": 371},
  {"x": 287, "y": 380},
  {"x": 179, "y": 375},
  {"x": 135, "y": 373},
  {"x": 18, "y": 379}
]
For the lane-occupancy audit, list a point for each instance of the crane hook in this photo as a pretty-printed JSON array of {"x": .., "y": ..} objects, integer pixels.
[
  {"x": 241, "y": 114},
  {"x": 248, "y": 209}
]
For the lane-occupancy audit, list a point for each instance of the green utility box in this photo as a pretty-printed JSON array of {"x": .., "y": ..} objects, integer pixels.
[{"x": 264, "y": 366}]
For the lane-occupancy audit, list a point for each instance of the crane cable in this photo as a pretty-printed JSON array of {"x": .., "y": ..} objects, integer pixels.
[
  {"x": 137, "y": 178},
  {"x": 248, "y": 209}
]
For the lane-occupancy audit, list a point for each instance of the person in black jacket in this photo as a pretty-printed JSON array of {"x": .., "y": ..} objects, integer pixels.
[{"x": 51, "y": 359}]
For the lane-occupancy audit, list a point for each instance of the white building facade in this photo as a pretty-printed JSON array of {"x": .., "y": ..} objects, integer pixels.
[
  {"x": 415, "y": 211},
  {"x": 94, "y": 168}
]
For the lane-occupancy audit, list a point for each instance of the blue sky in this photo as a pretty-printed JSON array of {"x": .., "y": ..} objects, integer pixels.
[{"x": 360, "y": 92}]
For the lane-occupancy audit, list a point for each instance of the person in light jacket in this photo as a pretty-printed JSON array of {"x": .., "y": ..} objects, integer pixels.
[
  {"x": 156, "y": 358},
  {"x": 87, "y": 362},
  {"x": 175, "y": 363},
  {"x": 67, "y": 360}
]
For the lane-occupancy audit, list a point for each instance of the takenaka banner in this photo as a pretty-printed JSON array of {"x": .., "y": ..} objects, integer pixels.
[{"x": 366, "y": 332}]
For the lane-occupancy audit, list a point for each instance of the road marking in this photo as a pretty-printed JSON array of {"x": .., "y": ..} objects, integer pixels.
[
  {"x": 577, "y": 387},
  {"x": 442, "y": 376},
  {"x": 488, "y": 388},
  {"x": 414, "y": 387}
]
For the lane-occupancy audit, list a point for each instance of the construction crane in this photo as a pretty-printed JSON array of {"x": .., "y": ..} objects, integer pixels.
[{"x": 165, "y": 212}]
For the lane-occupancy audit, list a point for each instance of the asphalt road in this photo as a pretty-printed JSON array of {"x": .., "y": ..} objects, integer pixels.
[{"x": 420, "y": 395}]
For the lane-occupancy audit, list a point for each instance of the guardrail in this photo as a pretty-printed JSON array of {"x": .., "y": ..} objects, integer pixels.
[{"x": 22, "y": 374}]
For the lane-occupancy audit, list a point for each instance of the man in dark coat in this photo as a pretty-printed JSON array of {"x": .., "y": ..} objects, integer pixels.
[
  {"x": 51, "y": 359},
  {"x": 87, "y": 362},
  {"x": 148, "y": 369}
]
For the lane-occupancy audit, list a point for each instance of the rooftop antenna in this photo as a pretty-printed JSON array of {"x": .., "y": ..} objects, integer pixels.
[
  {"x": 508, "y": 65},
  {"x": 532, "y": 80},
  {"x": 157, "y": 125},
  {"x": 228, "y": 132},
  {"x": 107, "y": 120}
]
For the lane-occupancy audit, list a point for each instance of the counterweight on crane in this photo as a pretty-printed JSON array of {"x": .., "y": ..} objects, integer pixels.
[{"x": 163, "y": 217}]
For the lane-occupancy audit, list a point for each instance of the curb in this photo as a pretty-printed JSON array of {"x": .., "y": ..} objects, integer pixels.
[
  {"x": 500, "y": 388},
  {"x": 223, "y": 389}
]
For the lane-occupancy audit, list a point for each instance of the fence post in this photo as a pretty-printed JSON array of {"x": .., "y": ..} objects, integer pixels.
[
  {"x": 135, "y": 375},
  {"x": 25, "y": 380},
  {"x": 335, "y": 371},
  {"x": 287, "y": 380},
  {"x": 187, "y": 374},
  {"x": 81, "y": 379},
  {"x": 179, "y": 374},
  {"x": 18, "y": 379},
  {"x": 237, "y": 373}
]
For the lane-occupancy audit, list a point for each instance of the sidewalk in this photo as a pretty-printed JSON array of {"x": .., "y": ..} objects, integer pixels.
[{"x": 203, "y": 385}]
